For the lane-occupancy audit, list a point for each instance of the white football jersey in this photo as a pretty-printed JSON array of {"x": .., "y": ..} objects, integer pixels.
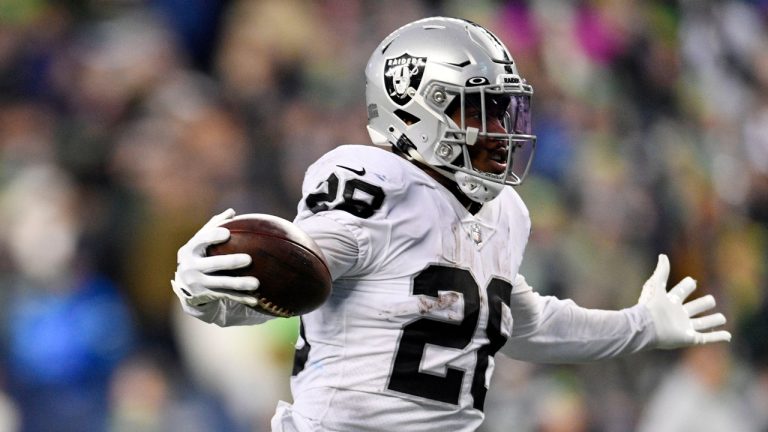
[{"x": 420, "y": 300}]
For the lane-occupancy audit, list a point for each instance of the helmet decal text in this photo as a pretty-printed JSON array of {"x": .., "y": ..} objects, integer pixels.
[{"x": 402, "y": 77}]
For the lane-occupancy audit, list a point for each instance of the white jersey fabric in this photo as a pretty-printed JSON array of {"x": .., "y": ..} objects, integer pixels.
[{"x": 424, "y": 295}]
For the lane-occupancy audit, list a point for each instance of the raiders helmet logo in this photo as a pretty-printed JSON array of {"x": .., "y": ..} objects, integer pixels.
[{"x": 402, "y": 77}]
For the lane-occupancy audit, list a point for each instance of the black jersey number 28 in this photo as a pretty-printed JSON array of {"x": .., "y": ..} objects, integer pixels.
[
  {"x": 361, "y": 205},
  {"x": 406, "y": 376}
]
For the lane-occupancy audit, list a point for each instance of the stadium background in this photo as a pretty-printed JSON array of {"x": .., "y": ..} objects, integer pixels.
[{"x": 125, "y": 124}]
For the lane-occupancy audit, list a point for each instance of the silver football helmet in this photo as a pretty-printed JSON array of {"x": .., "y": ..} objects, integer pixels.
[{"x": 424, "y": 79}]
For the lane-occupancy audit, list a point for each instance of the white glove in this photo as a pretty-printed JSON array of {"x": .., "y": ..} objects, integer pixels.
[
  {"x": 674, "y": 321},
  {"x": 194, "y": 285}
]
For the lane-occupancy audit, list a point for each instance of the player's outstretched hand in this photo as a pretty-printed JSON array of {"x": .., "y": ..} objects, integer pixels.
[
  {"x": 193, "y": 282},
  {"x": 675, "y": 321}
]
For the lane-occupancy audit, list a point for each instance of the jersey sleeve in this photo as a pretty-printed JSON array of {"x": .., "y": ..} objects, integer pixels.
[
  {"x": 346, "y": 197},
  {"x": 339, "y": 245},
  {"x": 226, "y": 313},
  {"x": 550, "y": 330}
]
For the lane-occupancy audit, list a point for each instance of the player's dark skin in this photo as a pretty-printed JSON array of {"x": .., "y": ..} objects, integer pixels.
[{"x": 482, "y": 153}]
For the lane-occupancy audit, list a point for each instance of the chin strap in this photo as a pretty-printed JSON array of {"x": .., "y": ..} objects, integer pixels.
[{"x": 476, "y": 189}]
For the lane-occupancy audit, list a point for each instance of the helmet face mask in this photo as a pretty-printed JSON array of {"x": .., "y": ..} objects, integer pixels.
[
  {"x": 476, "y": 109},
  {"x": 439, "y": 89}
]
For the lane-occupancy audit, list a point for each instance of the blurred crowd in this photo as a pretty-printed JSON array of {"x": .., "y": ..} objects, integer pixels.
[{"x": 126, "y": 124}]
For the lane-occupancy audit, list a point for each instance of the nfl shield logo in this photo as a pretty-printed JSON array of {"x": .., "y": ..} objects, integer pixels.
[{"x": 402, "y": 77}]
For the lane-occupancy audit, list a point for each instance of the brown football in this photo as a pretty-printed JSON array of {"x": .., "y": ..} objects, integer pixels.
[{"x": 293, "y": 276}]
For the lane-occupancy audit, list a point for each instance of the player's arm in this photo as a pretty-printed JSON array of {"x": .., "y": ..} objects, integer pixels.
[
  {"x": 339, "y": 244},
  {"x": 222, "y": 300},
  {"x": 550, "y": 330}
]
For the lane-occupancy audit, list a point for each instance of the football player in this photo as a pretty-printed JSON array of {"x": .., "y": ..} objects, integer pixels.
[{"x": 424, "y": 240}]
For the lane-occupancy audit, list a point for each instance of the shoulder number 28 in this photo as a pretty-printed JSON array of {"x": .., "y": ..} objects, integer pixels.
[{"x": 350, "y": 202}]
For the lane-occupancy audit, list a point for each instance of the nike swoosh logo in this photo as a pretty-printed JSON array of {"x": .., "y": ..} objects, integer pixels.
[{"x": 360, "y": 172}]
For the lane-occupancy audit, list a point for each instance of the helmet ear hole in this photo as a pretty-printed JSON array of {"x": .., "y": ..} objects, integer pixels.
[{"x": 407, "y": 117}]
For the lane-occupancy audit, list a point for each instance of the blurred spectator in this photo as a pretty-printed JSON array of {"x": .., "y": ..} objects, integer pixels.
[
  {"x": 247, "y": 368},
  {"x": 563, "y": 410},
  {"x": 146, "y": 396},
  {"x": 702, "y": 394},
  {"x": 66, "y": 327}
]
